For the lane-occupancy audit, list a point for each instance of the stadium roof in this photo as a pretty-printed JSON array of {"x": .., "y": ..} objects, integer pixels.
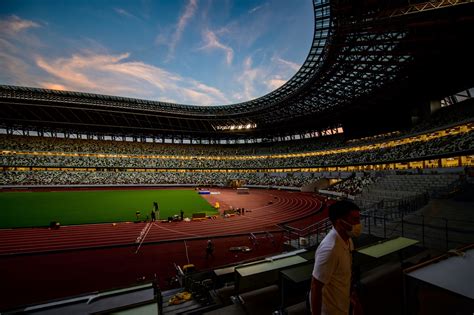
[{"x": 371, "y": 59}]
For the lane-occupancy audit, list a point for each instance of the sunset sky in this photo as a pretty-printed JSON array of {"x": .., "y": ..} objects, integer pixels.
[{"x": 202, "y": 52}]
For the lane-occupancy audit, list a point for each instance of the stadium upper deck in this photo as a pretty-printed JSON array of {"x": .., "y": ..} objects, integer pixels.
[
  {"x": 383, "y": 59},
  {"x": 451, "y": 146}
]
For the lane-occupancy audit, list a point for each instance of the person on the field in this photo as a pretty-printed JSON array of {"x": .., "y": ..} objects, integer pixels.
[
  {"x": 209, "y": 249},
  {"x": 156, "y": 210}
]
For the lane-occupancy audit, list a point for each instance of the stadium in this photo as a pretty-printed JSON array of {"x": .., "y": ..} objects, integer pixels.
[{"x": 380, "y": 113}]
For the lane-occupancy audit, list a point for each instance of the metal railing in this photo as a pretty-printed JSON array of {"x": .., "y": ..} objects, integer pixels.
[
  {"x": 313, "y": 233},
  {"x": 433, "y": 232}
]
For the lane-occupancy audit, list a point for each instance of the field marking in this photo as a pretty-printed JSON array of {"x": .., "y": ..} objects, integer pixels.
[
  {"x": 186, "y": 247},
  {"x": 264, "y": 220},
  {"x": 175, "y": 231},
  {"x": 142, "y": 236},
  {"x": 263, "y": 207}
]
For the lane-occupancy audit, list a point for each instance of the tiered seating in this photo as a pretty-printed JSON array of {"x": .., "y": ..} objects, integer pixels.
[
  {"x": 354, "y": 185},
  {"x": 383, "y": 152},
  {"x": 394, "y": 189},
  {"x": 415, "y": 183}
]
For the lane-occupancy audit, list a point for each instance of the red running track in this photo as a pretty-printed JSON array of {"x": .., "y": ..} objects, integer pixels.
[
  {"x": 38, "y": 265},
  {"x": 38, "y": 278},
  {"x": 265, "y": 210}
]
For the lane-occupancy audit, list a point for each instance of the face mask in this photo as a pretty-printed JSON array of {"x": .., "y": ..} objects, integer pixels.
[{"x": 355, "y": 231}]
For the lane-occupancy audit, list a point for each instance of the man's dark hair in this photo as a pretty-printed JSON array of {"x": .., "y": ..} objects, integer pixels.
[{"x": 340, "y": 209}]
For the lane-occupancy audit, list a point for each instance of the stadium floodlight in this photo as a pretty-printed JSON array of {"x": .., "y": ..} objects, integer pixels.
[{"x": 236, "y": 127}]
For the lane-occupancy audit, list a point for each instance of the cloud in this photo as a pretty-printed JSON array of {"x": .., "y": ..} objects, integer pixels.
[
  {"x": 6, "y": 45},
  {"x": 275, "y": 83},
  {"x": 291, "y": 65},
  {"x": 212, "y": 42},
  {"x": 275, "y": 79},
  {"x": 161, "y": 39},
  {"x": 78, "y": 70},
  {"x": 13, "y": 53},
  {"x": 25, "y": 61},
  {"x": 198, "y": 97},
  {"x": 124, "y": 12},
  {"x": 115, "y": 75},
  {"x": 200, "y": 93},
  {"x": 188, "y": 13},
  {"x": 13, "y": 25},
  {"x": 248, "y": 79},
  {"x": 257, "y": 80},
  {"x": 253, "y": 10},
  {"x": 157, "y": 77},
  {"x": 91, "y": 71},
  {"x": 210, "y": 90},
  {"x": 246, "y": 30},
  {"x": 14, "y": 69},
  {"x": 53, "y": 86}
]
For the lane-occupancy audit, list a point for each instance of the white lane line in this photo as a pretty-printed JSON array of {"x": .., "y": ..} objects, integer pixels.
[
  {"x": 175, "y": 231},
  {"x": 143, "y": 235}
]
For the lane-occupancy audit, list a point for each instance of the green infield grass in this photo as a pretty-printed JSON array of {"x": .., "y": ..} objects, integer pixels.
[{"x": 30, "y": 209}]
